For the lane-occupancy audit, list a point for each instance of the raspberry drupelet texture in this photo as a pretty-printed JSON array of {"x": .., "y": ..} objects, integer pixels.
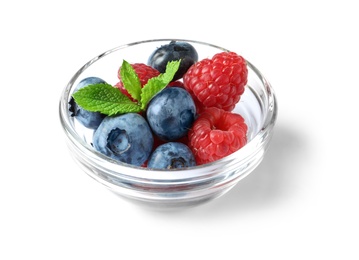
[
  {"x": 215, "y": 134},
  {"x": 144, "y": 72},
  {"x": 218, "y": 82}
]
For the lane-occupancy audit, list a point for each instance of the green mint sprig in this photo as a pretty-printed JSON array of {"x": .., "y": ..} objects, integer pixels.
[
  {"x": 130, "y": 80},
  {"x": 109, "y": 100},
  {"x": 156, "y": 84}
]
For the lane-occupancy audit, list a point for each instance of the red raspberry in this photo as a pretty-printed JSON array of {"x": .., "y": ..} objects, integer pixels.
[
  {"x": 218, "y": 82},
  {"x": 144, "y": 73},
  {"x": 215, "y": 134},
  {"x": 176, "y": 83}
]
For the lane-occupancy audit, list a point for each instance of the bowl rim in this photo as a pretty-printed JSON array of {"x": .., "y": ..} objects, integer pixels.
[{"x": 143, "y": 173}]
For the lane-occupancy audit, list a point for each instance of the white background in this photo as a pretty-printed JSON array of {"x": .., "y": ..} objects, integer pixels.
[{"x": 300, "y": 203}]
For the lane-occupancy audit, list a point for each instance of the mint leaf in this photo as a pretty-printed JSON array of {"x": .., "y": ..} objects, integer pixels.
[
  {"x": 105, "y": 99},
  {"x": 109, "y": 100},
  {"x": 130, "y": 80},
  {"x": 156, "y": 84}
]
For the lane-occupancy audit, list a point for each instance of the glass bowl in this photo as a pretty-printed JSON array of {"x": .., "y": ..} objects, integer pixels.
[{"x": 175, "y": 188}]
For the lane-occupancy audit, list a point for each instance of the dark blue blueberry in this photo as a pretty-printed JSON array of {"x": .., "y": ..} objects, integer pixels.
[
  {"x": 174, "y": 51},
  {"x": 126, "y": 138},
  {"x": 171, "y": 155},
  {"x": 89, "y": 119},
  {"x": 171, "y": 113}
]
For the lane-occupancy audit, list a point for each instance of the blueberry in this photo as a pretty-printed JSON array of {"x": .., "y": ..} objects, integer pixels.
[
  {"x": 126, "y": 138},
  {"x": 171, "y": 155},
  {"x": 174, "y": 51},
  {"x": 89, "y": 119},
  {"x": 171, "y": 113}
]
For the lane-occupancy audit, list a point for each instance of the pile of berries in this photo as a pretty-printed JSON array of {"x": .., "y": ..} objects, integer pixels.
[{"x": 188, "y": 123}]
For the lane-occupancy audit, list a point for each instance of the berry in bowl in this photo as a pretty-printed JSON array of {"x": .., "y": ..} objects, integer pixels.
[{"x": 168, "y": 123}]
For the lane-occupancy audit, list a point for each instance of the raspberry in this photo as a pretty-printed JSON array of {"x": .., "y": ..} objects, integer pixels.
[
  {"x": 218, "y": 82},
  {"x": 144, "y": 73},
  {"x": 176, "y": 83},
  {"x": 215, "y": 134}
]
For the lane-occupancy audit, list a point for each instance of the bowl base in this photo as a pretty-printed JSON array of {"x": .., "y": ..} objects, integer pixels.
[{"x": 171, "y": 205}]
